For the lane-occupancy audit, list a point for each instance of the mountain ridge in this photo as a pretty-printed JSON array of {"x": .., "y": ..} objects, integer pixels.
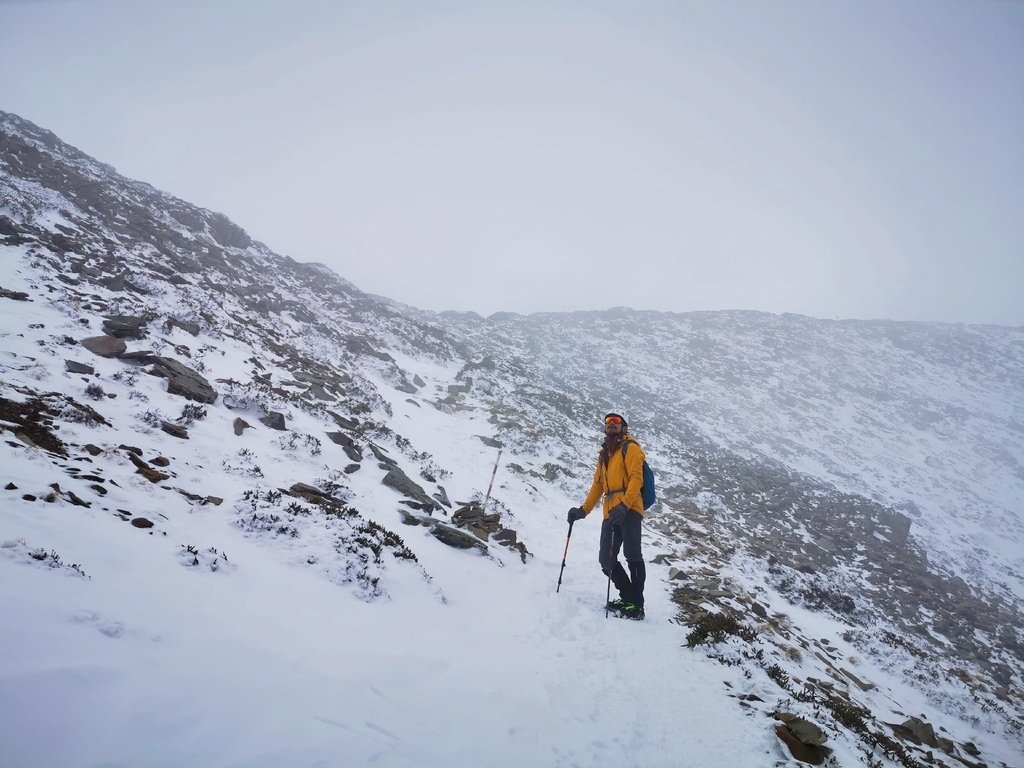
[{"x": 825, "y": 450}]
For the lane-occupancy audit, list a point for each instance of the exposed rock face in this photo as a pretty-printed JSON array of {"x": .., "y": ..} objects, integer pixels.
[
  {"x": 453, "y": 537},
  {"x": 175, "y": 430},
  {"x": 187, "y": 327},
  {"x": 274, "y": 420},
  {"x": 181, "y": 380},
  {"x": 105, "y": 346},
  {"x": 398, "y": 480},
  {"x": 125, "y": 326},
  {"x": 348, "y": 445},
  {"x": 74, "y": 367}
]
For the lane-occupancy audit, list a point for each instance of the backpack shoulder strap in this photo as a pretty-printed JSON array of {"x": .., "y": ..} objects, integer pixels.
[{"x": 625, "y": 445}]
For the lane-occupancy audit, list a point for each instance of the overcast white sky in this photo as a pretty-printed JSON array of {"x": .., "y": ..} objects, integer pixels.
[{"x": 837, "y": 159}]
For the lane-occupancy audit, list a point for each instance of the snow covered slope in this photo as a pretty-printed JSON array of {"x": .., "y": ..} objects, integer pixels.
[{"x": 243, "y": 521}]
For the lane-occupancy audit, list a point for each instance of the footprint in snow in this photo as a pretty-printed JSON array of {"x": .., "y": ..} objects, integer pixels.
[{"x": 107, "y": 627}]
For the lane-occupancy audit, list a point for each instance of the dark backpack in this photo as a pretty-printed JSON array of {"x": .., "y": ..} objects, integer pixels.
[{"x": 647, "y": 492}]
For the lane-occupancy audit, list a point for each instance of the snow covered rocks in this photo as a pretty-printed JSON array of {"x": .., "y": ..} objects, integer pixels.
[
  {"x": 105, "y": 346},
  {"x": 803, "y": 738}
]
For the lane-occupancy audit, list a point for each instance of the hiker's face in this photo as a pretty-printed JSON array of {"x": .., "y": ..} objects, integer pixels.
[{"x": 613, "y": 428}]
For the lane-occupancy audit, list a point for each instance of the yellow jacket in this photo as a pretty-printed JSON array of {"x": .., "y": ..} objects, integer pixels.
[{"x": 620, "y": 480}]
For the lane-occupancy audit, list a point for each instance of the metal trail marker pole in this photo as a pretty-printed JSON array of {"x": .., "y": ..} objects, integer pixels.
[{"x": 493, "y": 473}]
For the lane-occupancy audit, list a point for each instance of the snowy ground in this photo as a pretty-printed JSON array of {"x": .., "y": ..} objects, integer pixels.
[{"x": 150, "y": 663}]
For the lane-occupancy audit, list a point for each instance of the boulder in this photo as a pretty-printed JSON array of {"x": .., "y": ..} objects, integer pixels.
[
  {"x": 151, "y": 474},
  {"x": 181, "y": 380},
  {"x": 317, "y": 391},
  {"x": 142, "y": 522},
  {"x": 274, "y": 420},
  {"x": 105, "y": 346},
  {"x": 805, "y": 753},
  {"x": 73, "y": 367},
  {"x": 442, "y": 496},
  {"x": 174, "y": 430},
  {"x": 399, "y": 481},
  {"x": 190, "y": 328},
  {"x": 125, "y": 326},
  {"x": 347, "y": 444},
  {"x": 453, "y": 537}
]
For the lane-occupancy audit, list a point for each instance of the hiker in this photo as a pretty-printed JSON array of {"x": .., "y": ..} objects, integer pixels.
[{"x": 619, "y": 477}]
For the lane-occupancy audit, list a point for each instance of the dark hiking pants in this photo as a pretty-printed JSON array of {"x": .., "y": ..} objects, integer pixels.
[{"x": 625, "y": 536}]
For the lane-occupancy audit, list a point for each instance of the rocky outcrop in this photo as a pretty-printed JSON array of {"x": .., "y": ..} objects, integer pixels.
[
  {"x": 396, "y": 479},
  {"x": 181, "y": 380},
  {"x": 348, "y": 445},
  {"x": 104, "y": 346},
  {"x": 274, "y": 420},
  {"x": 125, "y": 326},
  {"x": 72, "y": 366}
]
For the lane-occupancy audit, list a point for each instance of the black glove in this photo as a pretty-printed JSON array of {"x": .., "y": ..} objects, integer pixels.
[
  {"x": 575, "y": 514},
  {"x": 618, "y": 514}
]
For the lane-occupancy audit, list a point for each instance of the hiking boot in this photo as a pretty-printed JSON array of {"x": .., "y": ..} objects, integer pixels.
[
  {"x": 616, "y": 604},
  {"x": 631, "y": 611}
]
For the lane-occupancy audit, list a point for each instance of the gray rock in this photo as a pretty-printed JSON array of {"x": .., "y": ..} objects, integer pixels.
[
  {"x": 142, "y": 522},
  {"x": 227, "y": 233},
  {"x": 490, "y": 442},
  {"x": 174, "y": 430},
  {"x": 347, "y": 444},
  {"x": 105, "y": 346},
  {"x": 274, "y": 420},
  {"x": 807, "y": 732},
  {"x": 317, "y": 391},
  {"x": 181, "y": 380},
  {"x": 341, "y": 421},
  {"x": 307, "y": 490},
  {"x": 240, "y": 425},
  {"x": 408, "y": 518},
  {"x": 125, "y": 326},
  {"x": 399, "y": 481},
  {"x": 382, "y": 456},
  {"x": 453, "y": 537},
  {"x": 190, "y": 328},
  {"x": 442, "y": 496},
  {"x": 72, "y": 367}
]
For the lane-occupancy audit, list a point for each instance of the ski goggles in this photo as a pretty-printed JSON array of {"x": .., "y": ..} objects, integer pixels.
[{"x": 613, "y": 420}]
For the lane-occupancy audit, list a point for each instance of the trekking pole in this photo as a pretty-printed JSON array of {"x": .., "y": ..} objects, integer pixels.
[
  {"x": 566, "y": 552},
  {"x": 608, "y": 593},
  {"x": 493, "y": 473}
]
